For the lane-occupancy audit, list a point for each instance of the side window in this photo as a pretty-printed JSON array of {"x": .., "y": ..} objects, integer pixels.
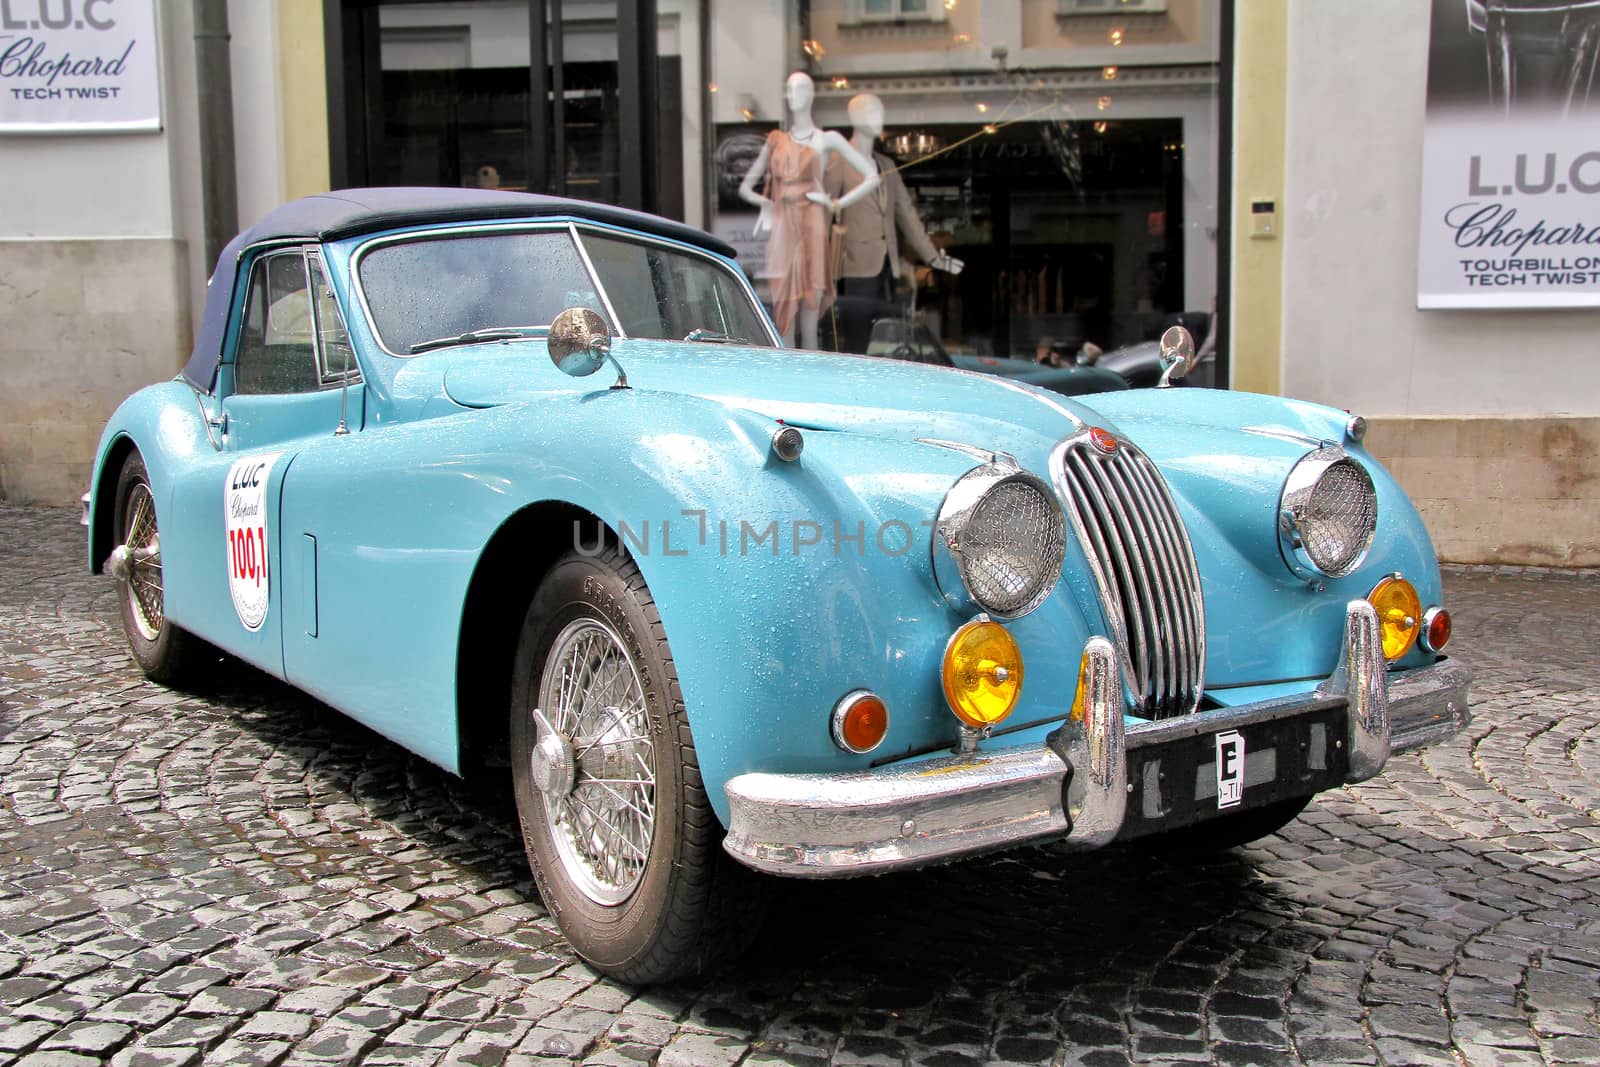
[
  {"x": 335, "y": 359},
  {"x": 276, "y": 353}
]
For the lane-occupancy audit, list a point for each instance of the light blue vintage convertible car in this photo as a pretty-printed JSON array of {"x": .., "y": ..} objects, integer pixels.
[{"x": 521, "y": 480}]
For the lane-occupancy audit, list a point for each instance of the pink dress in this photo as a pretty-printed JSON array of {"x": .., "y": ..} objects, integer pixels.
[{"x": 797, "y": 262}]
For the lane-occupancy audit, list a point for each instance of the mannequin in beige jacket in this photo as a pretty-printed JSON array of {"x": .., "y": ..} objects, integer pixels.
[{"x": 875, "y": 226}]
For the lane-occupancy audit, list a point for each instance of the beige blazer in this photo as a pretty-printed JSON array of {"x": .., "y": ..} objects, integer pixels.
[{"x": 876, "y": 224}]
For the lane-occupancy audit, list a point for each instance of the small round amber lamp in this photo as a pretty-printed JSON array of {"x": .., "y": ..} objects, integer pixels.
[
  {"x": 1399, "y": 615},
  {"x": 860, "y": 722},
  {"x": 982, "y": 673}
]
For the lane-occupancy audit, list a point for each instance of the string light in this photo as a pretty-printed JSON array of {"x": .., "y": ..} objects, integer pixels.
[
  {"x": 841, "y": 83},
  {"x": 1109, "y": 73},
  {"x": 1102, "y": 104},
  {"x": 1115, "y": 36},
  {"x": 812, "y": 48}
]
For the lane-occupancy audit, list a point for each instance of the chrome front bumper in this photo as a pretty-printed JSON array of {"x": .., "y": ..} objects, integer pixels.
[{"x": 1076, "y": 784}]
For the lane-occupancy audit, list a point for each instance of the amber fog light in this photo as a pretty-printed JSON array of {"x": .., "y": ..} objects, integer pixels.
[
  {"x": 982, "y": 673},
  {"x": 860, "y": 722},
  {"x": 1399, "y": 614},
  {"x": 1436, "y": 627}
]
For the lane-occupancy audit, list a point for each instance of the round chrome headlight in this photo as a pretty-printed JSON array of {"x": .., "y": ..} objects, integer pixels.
[
  {"x": 999, "y": 542},
  {"x": 1327, "y": 514}
]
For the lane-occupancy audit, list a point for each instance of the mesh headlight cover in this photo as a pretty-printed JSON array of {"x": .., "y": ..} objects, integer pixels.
[
  {"x": 1328, "y": 514},
  {"x": 1008, "y": 537}
]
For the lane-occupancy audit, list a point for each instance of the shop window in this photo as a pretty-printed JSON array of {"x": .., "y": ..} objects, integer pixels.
[
  {"x": 1112, "y": 7},
  {"x": 895, "y": 10}
]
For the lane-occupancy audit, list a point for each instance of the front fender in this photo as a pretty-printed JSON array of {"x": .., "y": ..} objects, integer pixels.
[
  {"x": 781, "y": 586},
  {"x": 166, "y": 425}
]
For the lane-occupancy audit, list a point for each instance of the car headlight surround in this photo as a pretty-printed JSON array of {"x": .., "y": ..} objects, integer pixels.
[
  {"x": 999, "y": 542},
  {"x": 1327, "y": 514}
]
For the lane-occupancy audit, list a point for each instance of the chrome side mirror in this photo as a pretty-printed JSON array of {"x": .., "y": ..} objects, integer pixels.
[
  {"x": 1177, "y": 354},
  {"x": 580, "y": 344}
]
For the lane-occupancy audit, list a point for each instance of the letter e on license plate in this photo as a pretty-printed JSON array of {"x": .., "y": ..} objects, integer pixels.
[{"x": 1230, "y": 769}]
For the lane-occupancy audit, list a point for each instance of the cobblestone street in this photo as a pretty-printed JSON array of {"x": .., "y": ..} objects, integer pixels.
[{"x": 244, "y": 876}]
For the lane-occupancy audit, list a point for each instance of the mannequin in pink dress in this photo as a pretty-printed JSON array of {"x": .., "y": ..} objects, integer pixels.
[{"x": 796, "y": 211}]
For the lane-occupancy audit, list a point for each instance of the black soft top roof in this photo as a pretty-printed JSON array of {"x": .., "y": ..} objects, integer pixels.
[{"x": 352, "y": 212}]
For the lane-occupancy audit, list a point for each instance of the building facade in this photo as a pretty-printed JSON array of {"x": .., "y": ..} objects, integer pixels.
[{"x": 1099, "y": 167}]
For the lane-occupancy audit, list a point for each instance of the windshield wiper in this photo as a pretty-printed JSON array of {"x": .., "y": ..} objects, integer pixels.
[
  {"x": 713, "y": 337},
  {"x": 472, "y": 337}
]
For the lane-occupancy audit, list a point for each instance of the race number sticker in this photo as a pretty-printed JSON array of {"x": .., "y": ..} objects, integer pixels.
[
  {"x": 244, "y": 507},
  {"x": 1230, "y": 769}
]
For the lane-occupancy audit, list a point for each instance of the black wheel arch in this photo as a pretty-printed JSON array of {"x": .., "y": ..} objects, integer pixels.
[
  {"x": 102, "y": 521},
  {"x": 509, "y": 570}
]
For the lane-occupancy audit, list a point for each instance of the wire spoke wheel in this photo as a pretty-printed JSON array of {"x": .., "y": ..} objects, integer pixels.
[
  {"x": 143, "y": 542},
  {"x": 595, "y": 762}
]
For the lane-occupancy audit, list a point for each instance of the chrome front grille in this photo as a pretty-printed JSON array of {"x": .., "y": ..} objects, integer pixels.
[{"x": 1143, "y": 565}]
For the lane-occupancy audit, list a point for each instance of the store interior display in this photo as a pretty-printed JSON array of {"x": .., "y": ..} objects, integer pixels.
[
  {"x": 795, "y": 211},
  {"x": 871, "y": 266}
]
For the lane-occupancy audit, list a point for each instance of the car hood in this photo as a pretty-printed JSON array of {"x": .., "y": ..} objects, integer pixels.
[{"x": 815, "y": 390}]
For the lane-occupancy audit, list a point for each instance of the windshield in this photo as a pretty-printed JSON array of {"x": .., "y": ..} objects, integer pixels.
[
  {"x": 659, "y": 292},
  {"x": 450, "y": 288}
]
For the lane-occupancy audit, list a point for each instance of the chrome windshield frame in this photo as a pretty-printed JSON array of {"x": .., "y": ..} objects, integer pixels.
[{"x": 575, "y": 229}]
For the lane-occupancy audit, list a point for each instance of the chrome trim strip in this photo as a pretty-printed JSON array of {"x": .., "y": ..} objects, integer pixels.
[
  {"x": 594, "y": 276},
  {"x": 1283, "y": 433},
  {"x": 1075, "y": 784},
  {"x": 520, "y": 226}
]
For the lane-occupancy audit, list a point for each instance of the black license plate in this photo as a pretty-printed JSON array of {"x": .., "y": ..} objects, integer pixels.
[{"x": 1190, "y": 779}]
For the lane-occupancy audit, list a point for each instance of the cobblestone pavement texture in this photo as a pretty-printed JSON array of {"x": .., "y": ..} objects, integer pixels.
[{"x": 244, "y": 876}]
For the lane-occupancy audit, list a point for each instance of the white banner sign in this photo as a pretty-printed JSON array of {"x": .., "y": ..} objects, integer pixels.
[
  {"x": 70, "y": 66},
  {"x": 1510, "y": 159}
]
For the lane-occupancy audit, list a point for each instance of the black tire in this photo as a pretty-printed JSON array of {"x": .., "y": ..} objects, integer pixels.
[
  {"x": 1226, "y": 831},
  {"x": 691, "y": 906},
  {"x": 165, "y": 652}
]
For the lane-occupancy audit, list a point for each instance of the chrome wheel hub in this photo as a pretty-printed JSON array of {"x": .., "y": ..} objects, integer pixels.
[
  {"x": 554, "y": 768},
  {"x": 137, "y": 563},
  {"x": 593, "y": 761}
]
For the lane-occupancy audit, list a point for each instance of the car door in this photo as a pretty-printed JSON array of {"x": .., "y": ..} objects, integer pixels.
[{"x": 288, "y": 378}]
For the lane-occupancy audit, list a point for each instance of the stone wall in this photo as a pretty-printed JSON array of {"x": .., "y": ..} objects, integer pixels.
[
  {"x": 1500, "y": 490},
  {"x": 87, "y": 321}
]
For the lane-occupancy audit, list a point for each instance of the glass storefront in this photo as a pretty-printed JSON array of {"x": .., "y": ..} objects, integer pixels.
[
  {"x": 1061, "y": 153},
  {"x": 441, "y": 91},
  {"x": 1048, "y": 169}
]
